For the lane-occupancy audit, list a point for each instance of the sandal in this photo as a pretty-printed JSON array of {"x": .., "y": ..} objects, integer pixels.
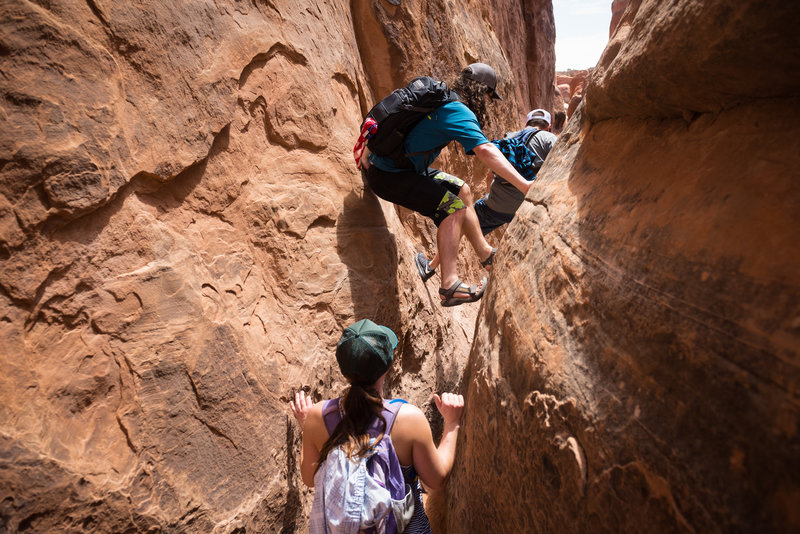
[
  {"x": 488, "y": 261},
  {"x": 423, "y": 266},
  {"x": 473, "y": 293}
]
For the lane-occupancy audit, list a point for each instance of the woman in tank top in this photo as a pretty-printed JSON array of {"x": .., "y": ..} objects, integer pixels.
[{"x": 365, "y": 352}]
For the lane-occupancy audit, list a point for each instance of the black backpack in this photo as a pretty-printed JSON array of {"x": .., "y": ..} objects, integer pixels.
[{"x": 399, "y": 112}]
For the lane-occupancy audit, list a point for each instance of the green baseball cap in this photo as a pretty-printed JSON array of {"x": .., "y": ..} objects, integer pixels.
[{"x": 365, "y": 351}]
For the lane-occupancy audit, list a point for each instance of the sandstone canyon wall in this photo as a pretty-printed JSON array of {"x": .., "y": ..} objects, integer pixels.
[
  {"x": 183, "y": 237},
  {"x": 618, "y": 8},
  {"x": 530, "y": 56},
  {"x": 638, "y": 348}
]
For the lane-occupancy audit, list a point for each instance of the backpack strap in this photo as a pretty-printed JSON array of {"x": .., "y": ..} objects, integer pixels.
[
  {"x": 392, "y": 406},
  {"x": 332, "y": 415},
  {"x": 427, "y": 154},
  {"x": 527, "y": 137}
]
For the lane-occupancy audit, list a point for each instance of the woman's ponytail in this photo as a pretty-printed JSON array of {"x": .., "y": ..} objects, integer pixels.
[{"x": 362, "y": 404}]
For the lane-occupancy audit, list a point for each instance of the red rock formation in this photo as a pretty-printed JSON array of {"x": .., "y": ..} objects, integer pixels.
[
  {"x": 563, "y": 78},
  {"x": 636, "y": 365},
  {"x": 574, "y": 102},
  {"x": 183, "y": 236},
  {"x": 570, "y": 84},
  {"x": 534, "y": 56},
  {"x": 576, "y": 83},
  {"x": 618, "y": 8}
]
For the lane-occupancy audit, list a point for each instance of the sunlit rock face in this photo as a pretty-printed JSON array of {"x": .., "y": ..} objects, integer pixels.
[
  {"x": 636, "y": 360},
  {"x": 183, "y": 236},
  {"x": 576, "y": 85},
  {"x": 570, "y": 86}
]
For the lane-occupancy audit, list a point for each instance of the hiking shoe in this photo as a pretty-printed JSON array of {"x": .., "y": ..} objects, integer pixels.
[{"x": 423, "y": 267}]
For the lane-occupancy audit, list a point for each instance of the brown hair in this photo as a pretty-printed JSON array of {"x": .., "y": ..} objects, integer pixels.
[
  {"x": 473, "y": 95},
  {"x": 362, "y": 404}
]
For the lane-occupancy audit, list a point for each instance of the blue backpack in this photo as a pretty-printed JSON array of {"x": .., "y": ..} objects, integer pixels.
[
  {"x": 519, "y": 154},
  {"x": 361, "y": 494}
]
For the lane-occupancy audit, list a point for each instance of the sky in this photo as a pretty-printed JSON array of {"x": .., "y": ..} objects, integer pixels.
[{"x": 581, "y": 32}]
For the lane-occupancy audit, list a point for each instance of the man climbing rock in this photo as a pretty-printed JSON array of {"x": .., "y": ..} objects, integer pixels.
[
  {"x": 500, "y": 205},
  {"x": 443, "y": 197}
]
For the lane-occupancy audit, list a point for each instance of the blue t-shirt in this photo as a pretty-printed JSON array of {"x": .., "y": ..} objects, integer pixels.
[{"x": 452, "y": 122}]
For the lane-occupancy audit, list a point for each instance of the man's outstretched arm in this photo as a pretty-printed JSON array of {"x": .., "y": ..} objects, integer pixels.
[{"x": 491, "y": 156}]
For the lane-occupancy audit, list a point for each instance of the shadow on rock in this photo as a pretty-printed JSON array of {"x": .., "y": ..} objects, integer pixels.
[{"x": 369, "y": 251}]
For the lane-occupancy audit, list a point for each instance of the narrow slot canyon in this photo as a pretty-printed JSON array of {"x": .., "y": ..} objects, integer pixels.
[{"x": 184, "y": 236}]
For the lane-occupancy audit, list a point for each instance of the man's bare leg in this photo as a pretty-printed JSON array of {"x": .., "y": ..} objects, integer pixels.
[
  {"x": 472, "y": 229},
  {"x": 448, "y": 237},
  {"x": 479, "y": 243}
]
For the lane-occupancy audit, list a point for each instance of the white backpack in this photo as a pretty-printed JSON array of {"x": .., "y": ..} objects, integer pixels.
[{"x": 361, "y": 494}]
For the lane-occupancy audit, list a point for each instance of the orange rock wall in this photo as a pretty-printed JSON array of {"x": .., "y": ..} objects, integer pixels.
[
  {"x": 636, "y": 364},
  {"x": 183, "y": 236},
  {"x": 618, "y": 8},
  {"x": 532, "y": 56}
]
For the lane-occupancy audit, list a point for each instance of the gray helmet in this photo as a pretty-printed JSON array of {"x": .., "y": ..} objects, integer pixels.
[{"x": 483, "y": 73}]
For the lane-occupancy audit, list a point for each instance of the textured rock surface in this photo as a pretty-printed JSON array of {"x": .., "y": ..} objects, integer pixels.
[
  {"x": 638, "y": 351},
  {"x": 576, "y": 86},
  {"x": 618, "y": 8},
  {"x": 183, "y": 236},
  {"x": 534, "y": 56},
  {"x": 570, "y": 85}
]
